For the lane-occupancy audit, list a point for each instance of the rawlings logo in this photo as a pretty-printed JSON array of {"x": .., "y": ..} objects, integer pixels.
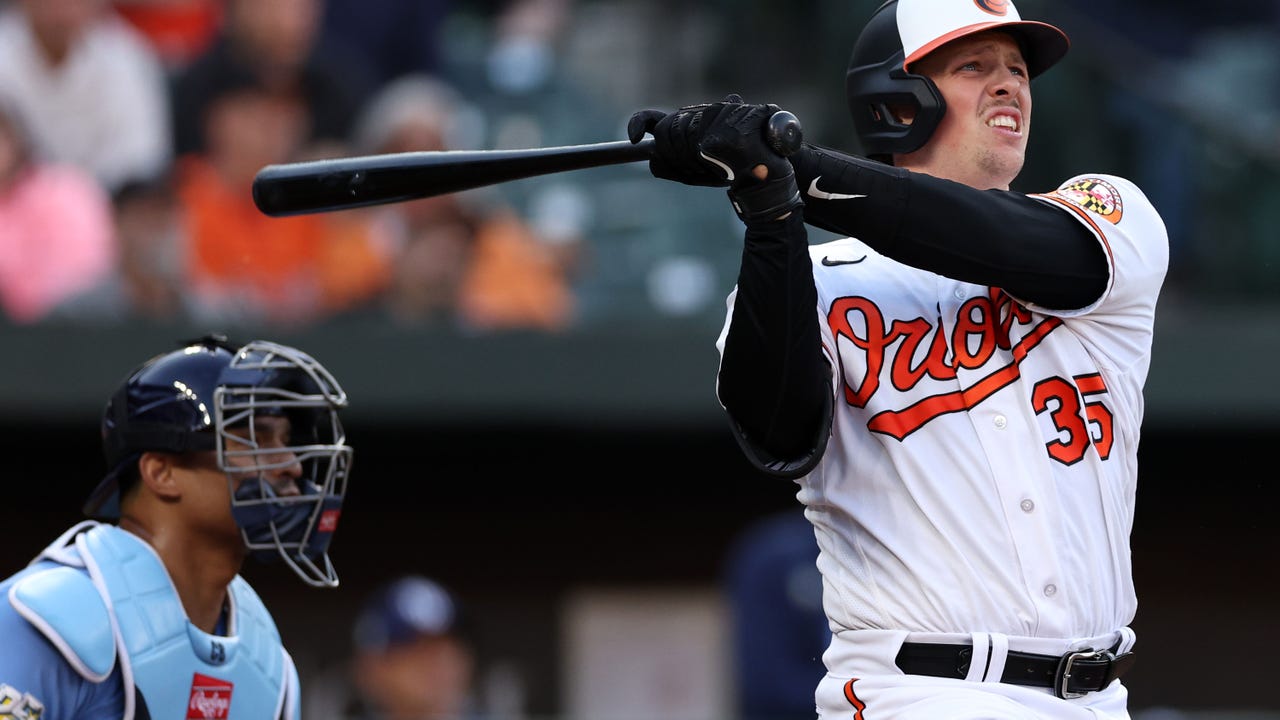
[
  {"x": 982, "y": 327},
  {"x": 999, "y": 8},
  {"x": 210, "y": 698},
  {"x": 328, "y": 521}
]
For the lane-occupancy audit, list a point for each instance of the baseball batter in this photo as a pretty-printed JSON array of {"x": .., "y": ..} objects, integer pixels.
[
  {"x": 963, "y": 418},
  {"x": 214, "y": 453}
]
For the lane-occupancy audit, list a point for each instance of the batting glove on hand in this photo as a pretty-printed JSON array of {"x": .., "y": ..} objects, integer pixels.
[
  {"x": 762, "y": 182},
  {"x": 676, "y": 137},
  {"x": 722, "y": 144}
]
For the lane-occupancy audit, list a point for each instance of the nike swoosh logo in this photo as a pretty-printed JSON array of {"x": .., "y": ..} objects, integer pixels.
[
  {"x": 728, "y": 171},
  {"x": 821, "y": 195},
  {"x": 832, "y": 263}
]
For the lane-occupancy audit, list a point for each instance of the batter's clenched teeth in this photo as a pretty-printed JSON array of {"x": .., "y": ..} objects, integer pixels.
[{"x": 1006, "y": 121}]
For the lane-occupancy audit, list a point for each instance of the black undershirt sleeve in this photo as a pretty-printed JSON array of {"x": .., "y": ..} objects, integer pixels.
[
  {"x": 774, "y": 380},
  {"x": 1032, "y": 250}
]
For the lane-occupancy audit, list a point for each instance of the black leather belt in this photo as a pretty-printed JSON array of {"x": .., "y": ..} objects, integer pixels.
[{"x": 1070, "y": 675}]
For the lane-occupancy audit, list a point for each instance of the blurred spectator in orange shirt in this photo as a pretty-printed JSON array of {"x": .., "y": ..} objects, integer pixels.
[
  {"x": 179, "y": 30},
  {"x": 92, "y": 88},
  {"x": 56, "y": 236},
  {"x": 464, "y": 258},
  {"x": 247, "y": 266}
]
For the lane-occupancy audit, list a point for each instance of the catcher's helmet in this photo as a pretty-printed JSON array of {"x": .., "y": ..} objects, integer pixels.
[
  {"x": 899, "y": 33},
  {"x": 191, "y": 398}
]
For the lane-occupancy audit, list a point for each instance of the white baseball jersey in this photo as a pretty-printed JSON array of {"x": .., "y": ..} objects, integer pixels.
[{"x": 982, "y": 467}]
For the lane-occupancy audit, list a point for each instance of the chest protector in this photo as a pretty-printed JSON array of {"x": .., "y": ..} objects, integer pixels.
[{"x": 177, "y": 669}]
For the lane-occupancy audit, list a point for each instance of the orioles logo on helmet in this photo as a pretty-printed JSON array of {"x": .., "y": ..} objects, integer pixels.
[{"x": 999, "y": 8}]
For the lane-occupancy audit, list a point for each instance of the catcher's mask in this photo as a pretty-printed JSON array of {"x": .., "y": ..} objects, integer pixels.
[
  {"x": 204, "y": 397},
  {"x": 899, "y": 33}
]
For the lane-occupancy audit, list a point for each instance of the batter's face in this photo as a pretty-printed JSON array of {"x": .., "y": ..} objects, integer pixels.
[{"x": 982, "y": 139}]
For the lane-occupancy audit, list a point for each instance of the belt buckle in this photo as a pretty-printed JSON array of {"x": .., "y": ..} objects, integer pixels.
[{"x": 1062, "y": 678}]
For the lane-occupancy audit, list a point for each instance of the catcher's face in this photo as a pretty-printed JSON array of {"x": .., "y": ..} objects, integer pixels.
[
  {"x": 982, "y": 139},
  {"x": 263, "y": 450},
  {"x": 263, "y": 453}
]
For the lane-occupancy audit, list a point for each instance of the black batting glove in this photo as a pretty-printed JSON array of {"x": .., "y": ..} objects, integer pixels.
[
  {"x": 738, "y": 141},
  {"x": 677, "y": 137},
  {"x": 718, "y": 145}
]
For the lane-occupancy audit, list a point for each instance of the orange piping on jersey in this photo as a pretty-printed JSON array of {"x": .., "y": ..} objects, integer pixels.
[
  {"x": 900, "y": 423},
  {"x": 854, "y": 700}
]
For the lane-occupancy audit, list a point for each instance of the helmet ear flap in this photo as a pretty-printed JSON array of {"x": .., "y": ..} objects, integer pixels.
[
  {"x": 878, "y": 86},
  {"x": 877, "y": 94}
]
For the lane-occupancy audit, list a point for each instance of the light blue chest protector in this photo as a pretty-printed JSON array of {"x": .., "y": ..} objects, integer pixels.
[{"x": 105, "y": 597}]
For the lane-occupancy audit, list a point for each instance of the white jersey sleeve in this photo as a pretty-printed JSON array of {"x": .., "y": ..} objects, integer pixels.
[{"x": 1134, "y": 238}]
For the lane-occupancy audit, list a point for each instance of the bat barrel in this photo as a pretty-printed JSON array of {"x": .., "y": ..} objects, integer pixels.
[{"x": 344, "y": 183}]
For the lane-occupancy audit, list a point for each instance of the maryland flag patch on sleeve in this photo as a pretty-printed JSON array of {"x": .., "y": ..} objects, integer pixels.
[{"x": 1095, "y": 195}]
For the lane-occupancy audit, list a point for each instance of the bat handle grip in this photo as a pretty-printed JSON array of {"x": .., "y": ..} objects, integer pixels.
[{"x": 783, "y": 133}]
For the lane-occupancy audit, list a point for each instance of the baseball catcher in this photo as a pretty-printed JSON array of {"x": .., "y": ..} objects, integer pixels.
[{"x": 215, "y": 453}]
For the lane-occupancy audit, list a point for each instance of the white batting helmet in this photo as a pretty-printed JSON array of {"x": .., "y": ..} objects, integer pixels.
[{"x": 901, "y": 32}]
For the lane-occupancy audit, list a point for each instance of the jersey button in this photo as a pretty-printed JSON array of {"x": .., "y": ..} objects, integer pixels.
[
  {"x": 1000, "y": 422},
  {"x": 959, "y": 293},
  {"x": 1050, "y": 590},
  {"x": 1027, "y": 505}
]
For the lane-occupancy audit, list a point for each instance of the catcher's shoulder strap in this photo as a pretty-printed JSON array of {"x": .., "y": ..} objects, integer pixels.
[{"x": 63, "y": 604}]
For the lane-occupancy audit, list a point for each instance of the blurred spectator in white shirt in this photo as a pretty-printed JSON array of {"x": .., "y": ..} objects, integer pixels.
[{"x": 92, "y": 87}]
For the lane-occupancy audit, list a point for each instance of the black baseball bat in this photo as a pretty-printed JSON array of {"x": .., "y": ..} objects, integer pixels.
[{"x": 343, "y": 183}]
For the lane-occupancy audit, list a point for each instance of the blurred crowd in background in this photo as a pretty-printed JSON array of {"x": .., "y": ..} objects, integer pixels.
[{"x": 131, "y": 131}]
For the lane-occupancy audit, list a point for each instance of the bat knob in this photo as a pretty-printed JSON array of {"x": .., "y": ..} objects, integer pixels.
[{"x": 784, "y": 133}]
